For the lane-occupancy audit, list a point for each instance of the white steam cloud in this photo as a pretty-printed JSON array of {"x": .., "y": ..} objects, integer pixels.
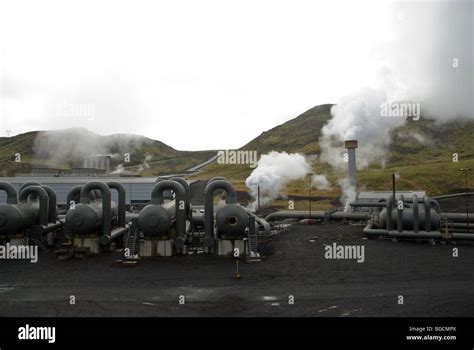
[
  {"x": 275, "y": 170},
  {"x": 428, "y": 61},
  {"x": 73, "y": 146}
]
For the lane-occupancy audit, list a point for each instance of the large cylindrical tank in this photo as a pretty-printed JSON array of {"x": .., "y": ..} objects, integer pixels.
[
  {"x": 86, "y": 219},
  {"x": 14, "y": 219},
  {"x": 231, "y": 221},
  {"x": 408, "y": 219},
  {"x": 155, "y": 220}
]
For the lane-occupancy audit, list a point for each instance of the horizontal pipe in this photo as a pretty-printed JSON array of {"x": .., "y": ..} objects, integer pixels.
[
  {"x": 48, "y": 228},
  {"x": 304, "y": 214},
  {"x": 368, "y": 230},
  {"x": 116, "y": 233},
  {"x": 455, "y": 217},
  {"x": 454, "y": 195}
]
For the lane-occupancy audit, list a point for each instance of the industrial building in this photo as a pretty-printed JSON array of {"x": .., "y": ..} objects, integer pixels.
[{"x": 137, "y": 189}]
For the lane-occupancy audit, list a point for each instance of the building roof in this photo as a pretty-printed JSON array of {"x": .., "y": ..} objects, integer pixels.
[{"x": 376, "y": 195}]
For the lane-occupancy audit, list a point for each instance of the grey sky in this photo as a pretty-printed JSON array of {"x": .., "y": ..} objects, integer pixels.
[{"x": 220, "y": 71}]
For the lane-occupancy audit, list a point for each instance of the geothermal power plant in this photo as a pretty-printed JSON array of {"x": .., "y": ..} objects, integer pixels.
[
  {"x": 185, "y": 237},
  {"x": 155, "y": 217}
]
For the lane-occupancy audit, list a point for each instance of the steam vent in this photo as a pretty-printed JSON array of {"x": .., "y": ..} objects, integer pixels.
[{"x": 351, "y": 146}]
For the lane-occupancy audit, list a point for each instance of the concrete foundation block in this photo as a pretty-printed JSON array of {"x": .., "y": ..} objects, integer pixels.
[
  {"x": 156, "y": 247},
  {"x": 226, "y": 247},
  {"x": 88, "y": 242},
  {"x": 147, "y": 247},
  {"x": 164, "y": 248}
]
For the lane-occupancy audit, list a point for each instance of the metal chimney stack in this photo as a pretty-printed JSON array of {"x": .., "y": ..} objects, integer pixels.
[{"x": 351, "y": 146}]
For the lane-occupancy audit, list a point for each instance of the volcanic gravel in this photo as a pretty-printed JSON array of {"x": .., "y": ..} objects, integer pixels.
[{"x": 431, "y": 281}]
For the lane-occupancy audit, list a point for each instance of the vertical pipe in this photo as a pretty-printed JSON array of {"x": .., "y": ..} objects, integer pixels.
[
  {"x": 416, "y": 221},
  {"x": 310, "y": 182},
  {"x": 467, "y": 202},
  {"x": 258, "y": 198},
  {"x": 400, "y": 213},
  {"x": 231, "y": 198},
  {"x": 389, "y": 212},
  {"x": 52, "y": 209},
  {"x": 106, "y": 203},
  {"x": 185, "y": 184},
  {"x": 352, "y": 166},
  {"x": 393, "y": 186},
  {"x": 427, "y": 205},
  {"x": 180, "y": 212},
  {"x": 121, "y": 201}
]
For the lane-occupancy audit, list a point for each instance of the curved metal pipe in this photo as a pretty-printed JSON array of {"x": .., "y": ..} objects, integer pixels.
[
  {"x": 216, "y": 178},
  {"x": 187, "y": 189},
  {"x": 12, "y": 195},
  {"x": 52, "y": 208},
  {"x": 231, "y": 198},
  {"x": 416, "y": 220},
  {"x": 29, "y": 183},
  {"x": 427, "y": 205},
  {"x": 73, "y": 193},
  {"x": 40, "y": 193},
  {"x": 180, "y": 210},
  {"x": 106, "y": 203},
  {"x": 121, "y": 201}
]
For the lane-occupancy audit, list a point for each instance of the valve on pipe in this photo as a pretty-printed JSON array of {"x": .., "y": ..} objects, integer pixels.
[{"x": 162, "y": 219}]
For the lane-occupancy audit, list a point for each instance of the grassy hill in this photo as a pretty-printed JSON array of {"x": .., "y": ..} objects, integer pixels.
[
  {"x": 68, "y": 148},
  {"x": 420, "y": 152},
  {"x": 297, "y": 135}
]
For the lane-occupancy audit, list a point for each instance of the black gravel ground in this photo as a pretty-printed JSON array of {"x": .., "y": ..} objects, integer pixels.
[{"x": 431, "y": 281}]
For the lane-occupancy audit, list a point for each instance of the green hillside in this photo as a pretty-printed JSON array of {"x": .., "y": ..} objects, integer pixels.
[
  {"x": 65, "y": 149},
  {"x": 420, "y": 152}
]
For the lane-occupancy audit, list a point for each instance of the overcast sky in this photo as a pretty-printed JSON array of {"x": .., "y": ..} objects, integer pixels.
[{"x": 193, "y": 74}]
